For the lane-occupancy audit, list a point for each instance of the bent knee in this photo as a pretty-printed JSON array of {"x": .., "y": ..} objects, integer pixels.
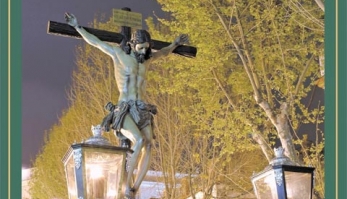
[{"x": 140, "y": 141}]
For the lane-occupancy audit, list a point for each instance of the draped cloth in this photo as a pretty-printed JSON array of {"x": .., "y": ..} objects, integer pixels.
[{"x": 141, "y": 113}]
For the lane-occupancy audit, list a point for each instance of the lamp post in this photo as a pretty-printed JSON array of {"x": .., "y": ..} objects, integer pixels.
[
  {"x": 283, "y": 179},
  {"x": 95, "y": 169}
]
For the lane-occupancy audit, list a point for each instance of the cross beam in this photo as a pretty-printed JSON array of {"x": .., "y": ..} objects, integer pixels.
[{"x": 63, "y": 29}]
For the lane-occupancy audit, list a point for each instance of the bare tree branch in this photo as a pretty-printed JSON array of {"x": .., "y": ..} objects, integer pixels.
[
  {"x": 257, "y": 95},
  {"x": 320, "y": 5}
]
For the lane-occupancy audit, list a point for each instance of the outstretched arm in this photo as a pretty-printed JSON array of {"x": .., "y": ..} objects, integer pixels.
[
  {"x": 180, "y": 40},
  {"x": 89, "y": 38}
]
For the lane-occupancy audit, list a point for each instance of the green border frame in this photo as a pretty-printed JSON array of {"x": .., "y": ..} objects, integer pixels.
[
  {"x": 3, "y": 99},
  {"x": 335, "y": 98},
  {"x": 10, "y": 99}
]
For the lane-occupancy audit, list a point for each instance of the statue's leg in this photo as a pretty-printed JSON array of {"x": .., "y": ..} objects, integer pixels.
[
  {"x": 145, "y": 160},
  {"x": 131, "y": 131}
]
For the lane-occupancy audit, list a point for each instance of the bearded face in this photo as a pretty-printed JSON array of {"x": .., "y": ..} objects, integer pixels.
[
  {"x": 140, "y": 51},
  {"x": 140, "y": 57}
]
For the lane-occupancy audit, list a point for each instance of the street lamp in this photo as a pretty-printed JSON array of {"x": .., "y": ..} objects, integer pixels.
[
  {"x": 95, "y": 169},
  {"x": 283, "y": 179}
]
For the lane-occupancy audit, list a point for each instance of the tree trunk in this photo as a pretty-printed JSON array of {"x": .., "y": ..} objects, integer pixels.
[{"x": 284, "y": 134}]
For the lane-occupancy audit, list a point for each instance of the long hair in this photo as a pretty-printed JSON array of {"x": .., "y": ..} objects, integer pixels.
[{"x": 139, "y": 37}]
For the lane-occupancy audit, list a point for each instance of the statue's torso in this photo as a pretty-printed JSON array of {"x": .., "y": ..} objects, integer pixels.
[{"x": 130, "y": 77}]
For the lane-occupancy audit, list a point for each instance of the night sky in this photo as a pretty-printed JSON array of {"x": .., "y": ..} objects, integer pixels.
[{"x": 48, "y": 61}]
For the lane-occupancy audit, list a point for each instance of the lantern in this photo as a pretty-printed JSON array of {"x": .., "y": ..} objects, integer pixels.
[
  {"x": 283, "y": 179},
  {"x": 95, "y": 169}
]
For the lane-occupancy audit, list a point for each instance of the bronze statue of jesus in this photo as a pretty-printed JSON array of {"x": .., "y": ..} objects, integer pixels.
[{"x": 131, "y": 116}]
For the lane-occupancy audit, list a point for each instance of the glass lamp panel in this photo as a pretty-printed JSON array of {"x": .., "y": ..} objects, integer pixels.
[
  {"x": 71, "y": 178},
  {"x": 265, "y": 185},
  {"x": 103, "y": 173},
  {"x": 298, "y": 185}
]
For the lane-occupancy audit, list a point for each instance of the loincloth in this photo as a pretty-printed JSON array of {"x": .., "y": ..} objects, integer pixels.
[{"x": 140, "y": 112}]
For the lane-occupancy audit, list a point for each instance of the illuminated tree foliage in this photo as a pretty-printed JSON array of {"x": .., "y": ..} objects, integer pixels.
[
  {"x": 256, "y": 66},
  {"x": 189, "y": 155}
]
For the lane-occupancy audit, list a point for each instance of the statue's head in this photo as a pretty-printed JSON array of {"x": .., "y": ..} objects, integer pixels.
[{"x": 141, "y": 45}]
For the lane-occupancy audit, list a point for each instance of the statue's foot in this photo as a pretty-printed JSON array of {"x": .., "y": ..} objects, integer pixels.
[{"x": 130, "y": 193}]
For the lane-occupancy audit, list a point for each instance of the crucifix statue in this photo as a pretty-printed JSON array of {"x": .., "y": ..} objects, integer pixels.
[{"x": 131, "y": 116}]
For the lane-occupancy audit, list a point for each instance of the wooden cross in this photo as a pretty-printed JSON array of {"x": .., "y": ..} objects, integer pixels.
[{"x": 63, "y": 29}]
